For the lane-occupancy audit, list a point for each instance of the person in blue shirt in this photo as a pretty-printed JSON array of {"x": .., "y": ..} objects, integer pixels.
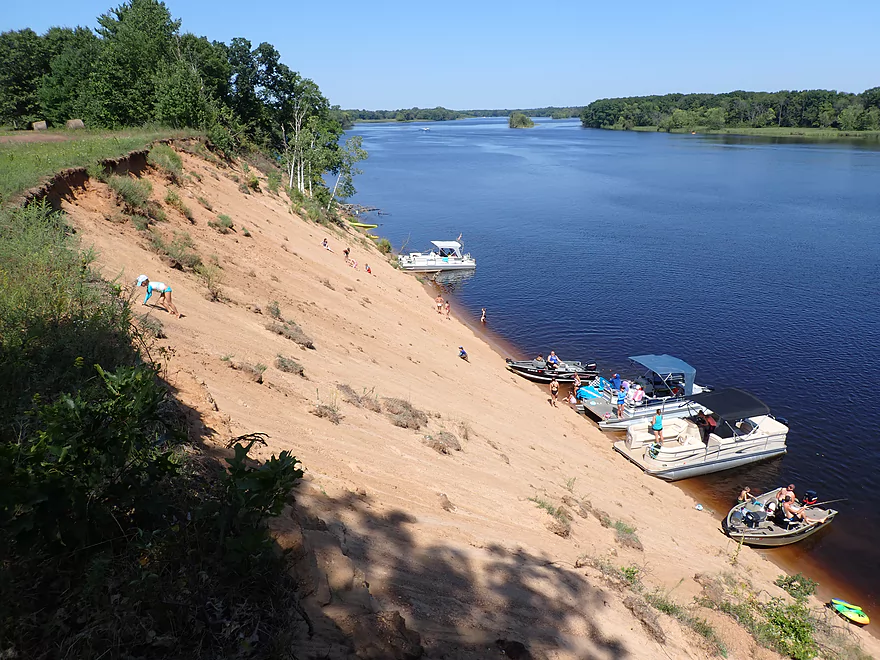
[
  {"x": 463, "y": 354},
  {"x": 552, "y": 360},
  {"x": 615, "y": 381},
  {"x": 164, "y": 292},
  {"x": 621, "y": 401}
]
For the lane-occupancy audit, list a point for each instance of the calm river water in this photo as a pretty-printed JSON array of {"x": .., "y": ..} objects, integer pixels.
[{"x": 755, "y": 261}]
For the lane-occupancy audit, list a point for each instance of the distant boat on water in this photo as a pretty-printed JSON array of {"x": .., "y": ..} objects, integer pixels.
[{"x": 425, "y": 128}]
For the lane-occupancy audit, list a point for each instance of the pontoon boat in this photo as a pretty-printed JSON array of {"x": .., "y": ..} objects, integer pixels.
[
  {"x": 447, "y": 256},
  {"x": 739, "y": 429},
  {"x": 665, "y": 384}
]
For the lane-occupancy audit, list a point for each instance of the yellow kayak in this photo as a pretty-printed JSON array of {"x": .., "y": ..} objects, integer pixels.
[
  {"x": 849, "y": 611},
  {"x": 362, "y": 225},
  {"x": 373, "y": 237}
]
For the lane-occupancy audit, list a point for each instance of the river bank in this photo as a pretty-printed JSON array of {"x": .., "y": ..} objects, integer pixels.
[{"x": 460, "y": 541}]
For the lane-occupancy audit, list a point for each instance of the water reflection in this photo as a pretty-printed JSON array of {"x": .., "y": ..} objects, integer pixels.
[{"x": 450, "y": 281}]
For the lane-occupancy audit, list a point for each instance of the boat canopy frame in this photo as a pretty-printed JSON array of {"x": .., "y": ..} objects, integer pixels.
[
  {"x": 448, "y": 248},
  {"x": 667, "y": 367},
  {"x": 731, "y": 404}
]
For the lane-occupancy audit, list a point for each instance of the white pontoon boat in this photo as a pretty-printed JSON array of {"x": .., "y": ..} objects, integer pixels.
[
  {"x": 665, "y": 385},
  {"x": 447, "y": 256},
  {"x": 738, "y": 430}
]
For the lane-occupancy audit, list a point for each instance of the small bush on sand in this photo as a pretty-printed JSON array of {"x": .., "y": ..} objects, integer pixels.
[
  {"x": 173, "y": 200},
  {"x": 626, "y": 536},
  {"x": 164, "y": 158},
  {"x": 274, "y": 309},
  {"x": 140, "y": 222},
  {"x": 132, "y": 193},
  {"x": 274, "y": 180},
  {"x": 443, "y": 443},
  {"x": 180, "y": 249},
  {"x": 291, "y": 331},
  {"x": 253, "y": 183},
  {"x": 403, "y": 414},
  {"x": 364, "y": 399},
  {"x": 253, "y": 371},
  {"x": 204, "y": 202},
  {"x": 245, "y": 232},
  {"x": 223, "y": 224},
  {"x": 212, "y": 277},
  {"x": 289, "y": 365},
  {"x": 243, "y": 187},
  {"x": 561, "y": 523},
  {"x": 155, "y": 211},
  {"x": 384, "y": 245},
  {"x": 151, "y": 326},
  {"x": 328, "y": 411}
]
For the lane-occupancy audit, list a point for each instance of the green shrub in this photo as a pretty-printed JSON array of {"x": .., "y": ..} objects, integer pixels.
[
  {"x": 181, "y": 249},
  {"x": 212, "y": 277},
  {"x": 289, "y": 365},
  {"x": 253, "y": 183},
  {"x": 799, "y": 586},
  {"x": 243, "y": 187},
  {"x": 245, "y": 232},
  {"x": 164, "y": 158},
  {"x": 384, "y": 245},
  {"x": 204, "y": 202},
  {"x": 273, "y": 178},
  {"x": 133, "y": 193},
  {"x": 274, "y": 310},
  {"x": 223, "y": 224},
  {"x": 173, "y": 199},
  {"x": 291, "y": 331},
  {"x": 140, "y": 222}
]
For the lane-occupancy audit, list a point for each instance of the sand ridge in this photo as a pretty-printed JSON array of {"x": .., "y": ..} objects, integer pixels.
[{"x": 452, "y": 541}]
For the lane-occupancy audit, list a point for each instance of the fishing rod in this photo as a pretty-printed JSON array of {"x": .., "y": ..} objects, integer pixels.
[{"x": 842, "y": 499}]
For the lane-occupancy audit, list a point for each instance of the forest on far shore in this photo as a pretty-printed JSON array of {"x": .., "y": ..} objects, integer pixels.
[{"x": 813, "y": 108}]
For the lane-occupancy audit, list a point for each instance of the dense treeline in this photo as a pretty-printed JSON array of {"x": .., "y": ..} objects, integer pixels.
[
  {"x": 817, "y": 108},
  {"x": 137, "y": 67},
  {"x": 444, "y": 114}
]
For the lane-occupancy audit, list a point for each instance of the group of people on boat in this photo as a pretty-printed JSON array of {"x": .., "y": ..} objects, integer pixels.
[{"x": 785, "y": 509}]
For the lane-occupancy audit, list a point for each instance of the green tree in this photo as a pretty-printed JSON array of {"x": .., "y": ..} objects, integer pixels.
[
  {"x": 138, "y": 38},
  {"x": 62, "y": 89},
  {"x": 519, "y": 120},
  {"x": 180, "y": 98},
  {"x": 22, "y": 65},
  {"x": 827, "y": 116},
  {"x": 715, "y": 118},
  {"x": 850, "y": 118},
  {"x": 351, "y": 154}
]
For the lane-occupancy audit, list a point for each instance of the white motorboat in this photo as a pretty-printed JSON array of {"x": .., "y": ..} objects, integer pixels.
[
  {"x": 751, "y": 522},
  {"x": 666, "y": 384},
  {"x": 447, "y": 256},
  {"x": 739, "y": 430}
]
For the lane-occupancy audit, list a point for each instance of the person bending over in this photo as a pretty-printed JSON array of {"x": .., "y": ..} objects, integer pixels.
[{"x": 164, "y": 292}]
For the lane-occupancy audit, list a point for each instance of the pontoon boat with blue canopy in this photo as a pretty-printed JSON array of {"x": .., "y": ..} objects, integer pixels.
[{"x": 665, "y": 384}]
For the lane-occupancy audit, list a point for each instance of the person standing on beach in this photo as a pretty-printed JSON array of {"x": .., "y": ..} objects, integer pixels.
[
  {"x": 439, "y": 301},
  {"x": 554, "y": 392},
  {"x": 577, "y": 382},
  {"x": 483, "y": 316},
  {"x": 447, "y": 309}
]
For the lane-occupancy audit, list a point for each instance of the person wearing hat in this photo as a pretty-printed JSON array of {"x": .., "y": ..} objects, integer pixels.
[
  {"x": 615, "y": 381},
  {"x": 164, "y": 292},
  {"x": 463, "y": 354}
]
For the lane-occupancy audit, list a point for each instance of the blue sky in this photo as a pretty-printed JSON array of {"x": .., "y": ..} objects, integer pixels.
[{"x": 490, "y": 54}]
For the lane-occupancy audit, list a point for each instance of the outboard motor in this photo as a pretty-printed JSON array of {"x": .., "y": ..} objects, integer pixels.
[
  {"x": 754, "y": 518},
  {"x": 810, "y": 497}
]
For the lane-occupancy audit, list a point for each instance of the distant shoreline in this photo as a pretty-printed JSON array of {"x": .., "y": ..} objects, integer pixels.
[{"x": 770, "y": 131}]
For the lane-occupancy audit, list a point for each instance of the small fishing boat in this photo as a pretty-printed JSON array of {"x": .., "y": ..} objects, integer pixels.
[
  {"x": 666, "y": 383},
  {"x": 447, "y": 256},
  {"x": 752, "y": 524},
  {"x": 737, "y": 430},
  {"x": 849, "y": 611},
  {"x": 543, "y": 372}
]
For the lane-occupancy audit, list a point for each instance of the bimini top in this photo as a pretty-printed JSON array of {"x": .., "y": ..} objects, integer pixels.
[
  {"x": 666, "y": 365},
  {"x": 449, "y": 245},
  {"x": 731, "y": 404}
]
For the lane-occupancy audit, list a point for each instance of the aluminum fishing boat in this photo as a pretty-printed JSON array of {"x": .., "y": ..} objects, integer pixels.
[
  {"x": 665, "y": 384},
  {"x": 752, "y": 524},
  {"x": 447, "y": 256},
  {"x": 542, "y": 371},
  {"x": 737, "y": 430}
]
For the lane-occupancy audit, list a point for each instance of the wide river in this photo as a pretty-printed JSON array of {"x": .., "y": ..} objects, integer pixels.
[{"x": 755, "y": 261}]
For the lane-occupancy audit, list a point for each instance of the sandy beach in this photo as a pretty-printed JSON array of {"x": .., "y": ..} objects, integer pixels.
[{"x": 455, "y": 540}]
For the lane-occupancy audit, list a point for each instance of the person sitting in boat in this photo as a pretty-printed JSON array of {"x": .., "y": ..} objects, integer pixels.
[
  {"x": 552, "y": 360},
  {"x": 794, "y": 513},
  {"x": 745, "y": 495},
  {"x": 786, "y": 492},
  {"x": 638, "y": 394},
  {"x": 706, "y": 424}
]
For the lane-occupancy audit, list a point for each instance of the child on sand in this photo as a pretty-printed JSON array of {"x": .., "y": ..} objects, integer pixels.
[
  {"x": 164, "y": 292},
  {"x": 447, "y": 309}
]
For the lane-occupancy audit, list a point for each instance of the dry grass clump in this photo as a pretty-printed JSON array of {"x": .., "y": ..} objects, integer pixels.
[
  {"x": 181, "y": 250},
  {"x": 173, "y": 200},
  {"x": 327, "y": 411},
  {"x": 223, "y": 224},
  {"x": 204, "y": 202},
  {"x": 130, "y": 192},
  {"x": 443, "y": 443},
  {"x": 168, "y": 161},
  {"x": 403, "y": 414},
  {"x": 253, "y": 371},
  {"x": 292, "y": 331},
  {"x": 151, "y": 326},
  {"x": 289, "y": 366},
  {"x": 212, "y": 277},
  {"x": 274, "y": 310},
  {"x": 366, "y": 399},
  {"x": 560, "y": 524},
  {"x": 626, "y": 536}
]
